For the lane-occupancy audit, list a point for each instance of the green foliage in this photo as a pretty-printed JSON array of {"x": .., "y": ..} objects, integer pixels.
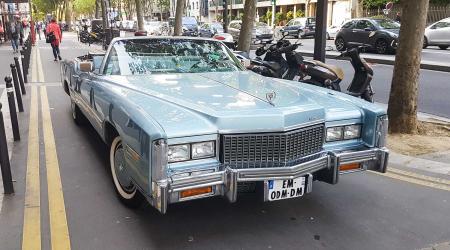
[
  {"x": 268, "y": 16},
  {"x": 289, "y": 15},
  {"x": 84, "y": 7},
  {"x": 299, "y": 13},
  {"x": 279, "y": 16}
]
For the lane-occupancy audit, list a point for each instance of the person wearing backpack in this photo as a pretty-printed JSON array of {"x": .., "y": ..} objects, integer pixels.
[
  {"x": 15, "y": 32},
  {"x": 54, "y": 37}
]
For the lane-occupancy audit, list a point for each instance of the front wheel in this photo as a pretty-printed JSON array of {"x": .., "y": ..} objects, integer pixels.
[
  {"x": 381, "y": 46},
  {"x": 77, "y": 116},
  {"x": 340, "y": 44},
  {"x": 425, "y": 43},
  {"x": 126, "y": 190},
  {"x": 443, "y": 47}
]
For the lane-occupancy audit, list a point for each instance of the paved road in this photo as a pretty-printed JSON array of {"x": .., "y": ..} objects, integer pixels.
[
  {"x": 364, "y": 211},
  {"x": 431, "y": 53}
]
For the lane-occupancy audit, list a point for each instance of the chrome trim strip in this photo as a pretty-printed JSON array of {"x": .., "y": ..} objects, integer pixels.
[{"x": 285, "y": 129}]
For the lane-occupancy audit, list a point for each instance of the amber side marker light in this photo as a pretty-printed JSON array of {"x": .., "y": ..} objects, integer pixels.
[
  {"x": 195, "y": 191},
  {"x": 350, "y": 166}
]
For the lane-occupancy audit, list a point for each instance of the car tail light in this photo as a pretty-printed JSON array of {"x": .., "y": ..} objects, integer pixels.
[{"x": 221, "y": 38}]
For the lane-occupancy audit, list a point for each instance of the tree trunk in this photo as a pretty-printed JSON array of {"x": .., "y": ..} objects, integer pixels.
[
  {"x": 69, "y": 13},
  {"x": 97, "y": 9},
  {"x": 178, "y": 16},
  {"x": 402, "y": 109},
  {"x": 104, "y": 17},
  {"x": 245, "y": 36},
  {"x": 140, "y": 15}
]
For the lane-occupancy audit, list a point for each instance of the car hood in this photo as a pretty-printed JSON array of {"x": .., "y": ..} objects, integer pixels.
[{"x": 200, "y": 103}]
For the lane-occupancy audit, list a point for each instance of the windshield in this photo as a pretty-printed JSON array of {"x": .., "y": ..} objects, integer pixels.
[
  {"x": 387, "y": 24},
  {"x": 189, "y": 20},
  {"x": 162, "y": 56},
  {"x": 218, "y": 26}
]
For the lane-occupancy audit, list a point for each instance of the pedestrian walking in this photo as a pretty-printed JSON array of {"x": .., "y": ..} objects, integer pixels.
[
  {"x": 2, "y": 32},
  {"x": 15, "y": 32},
  {"x": 38, "y": 29},
  {"x": 54, "y": 37}
]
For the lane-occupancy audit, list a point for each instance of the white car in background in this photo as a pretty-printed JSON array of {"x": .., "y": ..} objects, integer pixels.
[
  {"x": 153, "y": 27},
  {"x": 332, "y": 31},
  {"x": 438, "y": 34}
]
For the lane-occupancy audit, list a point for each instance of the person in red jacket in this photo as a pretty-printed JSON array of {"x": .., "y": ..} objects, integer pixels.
[{"x": 53, "y": 28}]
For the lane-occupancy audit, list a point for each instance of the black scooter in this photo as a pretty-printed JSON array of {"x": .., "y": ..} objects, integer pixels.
[
  {"x": 329, "y": 76},
  {"x": 274, "y": 63}
]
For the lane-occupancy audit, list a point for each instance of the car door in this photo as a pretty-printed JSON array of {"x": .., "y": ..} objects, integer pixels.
[
  {"x": 439, "y": 33},
  {"x": 288, "y": 27},
  {"x": 362, "y": 32}
]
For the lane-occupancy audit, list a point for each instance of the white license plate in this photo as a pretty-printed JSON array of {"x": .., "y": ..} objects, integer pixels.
[{"x": 285, "y": 189}]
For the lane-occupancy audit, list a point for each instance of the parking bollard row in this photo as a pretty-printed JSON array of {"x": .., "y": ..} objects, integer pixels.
[{"x": 16, "y": 87}]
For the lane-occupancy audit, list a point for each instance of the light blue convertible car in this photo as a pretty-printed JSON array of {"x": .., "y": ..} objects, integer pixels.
[{"x": 184, "y": 120}]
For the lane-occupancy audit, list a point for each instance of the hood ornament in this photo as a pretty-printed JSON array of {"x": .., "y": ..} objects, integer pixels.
[{"x": 270, "y": 97}]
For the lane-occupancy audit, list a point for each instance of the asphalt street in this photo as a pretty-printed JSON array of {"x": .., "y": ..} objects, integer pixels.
[
  {"x": 363, "y": 211},
  {"x": 432, "y": 53}
]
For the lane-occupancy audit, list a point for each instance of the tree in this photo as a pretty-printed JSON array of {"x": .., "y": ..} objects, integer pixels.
[
  {"x": 140, "y": 15},
  {"x": 402, "y": 108},
  {"x": 84, "y": 7},
  {"x": 245, "y": 35},
  {"x": 178, "y": 16}
]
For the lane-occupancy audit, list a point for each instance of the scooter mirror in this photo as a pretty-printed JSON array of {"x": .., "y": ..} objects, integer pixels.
[{"x": 285, "y": 33}]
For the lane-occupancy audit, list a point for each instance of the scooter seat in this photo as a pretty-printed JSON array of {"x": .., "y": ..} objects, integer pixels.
[
  {"x": 273, "y": 65},
  {"x": 336, "y": 70}
]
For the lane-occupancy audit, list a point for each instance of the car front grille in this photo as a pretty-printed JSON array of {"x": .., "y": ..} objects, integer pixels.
[
  {"x": 263, "y": 150},
  {"x": 264, "y": 36}
]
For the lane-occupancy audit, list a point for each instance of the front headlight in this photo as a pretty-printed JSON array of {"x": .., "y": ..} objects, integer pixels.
[
  {"x": 334, "y": 134},
  {"x": 203, "y": 150},
  {"x": 181, "y": 152},
  {"x": 343, "y": 132},
  {"x": 191, "y": 151},
  {"x": 352, "y": 132}
]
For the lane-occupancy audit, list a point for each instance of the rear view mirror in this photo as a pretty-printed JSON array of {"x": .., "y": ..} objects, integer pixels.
[
  {"x": 86, "y": 66},
  {"x": 285, "y": 33}
]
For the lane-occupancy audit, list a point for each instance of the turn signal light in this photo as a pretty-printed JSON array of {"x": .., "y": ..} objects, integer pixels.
[
  {"x": 350, "y": 166},
  {"x": 195, "y": 191}
]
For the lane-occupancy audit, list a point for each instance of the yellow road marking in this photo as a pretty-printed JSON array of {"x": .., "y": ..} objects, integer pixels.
[
  {"x": 39, "y": 65},
  {"x": 34, "y": 73},
  {"x": 419, "y": 176},
  {"x": 31, "y": 237},
  {"x": 415, "y": 181},
  {"x": 60, "y": 239}
]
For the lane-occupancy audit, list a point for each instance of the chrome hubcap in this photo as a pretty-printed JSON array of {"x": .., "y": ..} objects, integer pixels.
[{"x": 121, "y": 173}]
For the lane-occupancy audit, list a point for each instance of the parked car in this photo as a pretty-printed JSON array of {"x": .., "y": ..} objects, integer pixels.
[
  {"x": 301, "y": 27},
  {"x": 184, "y": 120},
  {"x": 380, "y": 34},
  {"x": 210, "y": 29},
  {"x": 190, "y": 26},
  {"x": 261, "y": 33},
  {"x": 153, "y": 27},
  {"x": 332, "y": 31},
  {"x": 438, "y": 34}
]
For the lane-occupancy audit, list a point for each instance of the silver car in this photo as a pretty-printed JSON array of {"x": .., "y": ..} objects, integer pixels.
[
  {"x": 261, "y": 33},
  {"x": 438, "y": 34}
]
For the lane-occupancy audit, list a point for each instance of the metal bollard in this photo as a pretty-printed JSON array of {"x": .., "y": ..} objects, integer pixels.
[
  {"x": 5, "y": 166},
  {"x": 12, "y": 109},
  {"x": 19, "y": 74},
  {"x": 16, "y": 87},
  {"x": 24, "y": 65}
]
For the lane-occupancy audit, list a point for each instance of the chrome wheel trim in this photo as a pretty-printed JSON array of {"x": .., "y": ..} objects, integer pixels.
[
  {"x": 381, "y": 46},
  {"x": 340, "y": 44},
  {"x": 116, "y": 159}
]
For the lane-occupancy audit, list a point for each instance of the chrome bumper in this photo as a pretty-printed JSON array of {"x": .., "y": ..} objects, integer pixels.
[{"x": 225, "y": 180}]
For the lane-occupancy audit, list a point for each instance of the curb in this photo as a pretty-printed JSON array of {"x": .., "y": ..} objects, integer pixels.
[
  {"x": 423, "y": 65},
  {"x": 419, "y": 163}
]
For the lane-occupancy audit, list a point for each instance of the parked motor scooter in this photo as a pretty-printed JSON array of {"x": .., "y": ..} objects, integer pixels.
[
  {"x": 274, "y": 63},
  {"x": 329, "y": 76}
]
